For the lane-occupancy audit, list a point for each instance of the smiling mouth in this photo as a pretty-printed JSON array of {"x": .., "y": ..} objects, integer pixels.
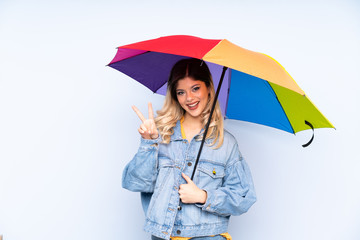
[{"x": 193, "y": 106}]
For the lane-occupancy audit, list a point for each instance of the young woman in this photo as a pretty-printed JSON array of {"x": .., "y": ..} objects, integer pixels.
[{"x": 175, "y": 206}]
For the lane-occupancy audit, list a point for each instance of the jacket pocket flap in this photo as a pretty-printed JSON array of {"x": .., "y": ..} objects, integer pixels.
[
  {"x": 165, "y": 162},
  {"x": 211, "y": 169}
]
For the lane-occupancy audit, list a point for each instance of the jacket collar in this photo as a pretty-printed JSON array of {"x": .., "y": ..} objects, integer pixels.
[
  {"x": 178, "y": 137},
  {"x": 177, "y": 132}
]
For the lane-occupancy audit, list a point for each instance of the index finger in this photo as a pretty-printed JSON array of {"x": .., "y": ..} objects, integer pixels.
[
  {"x": 186, "y": 177},
  {"x": 151, "y": 112},
  {"x": 140, "y": 115}
]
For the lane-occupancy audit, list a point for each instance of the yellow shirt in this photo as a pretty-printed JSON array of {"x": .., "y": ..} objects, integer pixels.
[
  {"x": 182, "y": 128},
  {"x": 225, "y": 235}
]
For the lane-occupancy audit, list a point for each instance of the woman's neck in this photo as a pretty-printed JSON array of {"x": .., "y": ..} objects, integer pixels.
[
  {"x": 192, "y": 122},
  {"x": 192, "y": 126}
]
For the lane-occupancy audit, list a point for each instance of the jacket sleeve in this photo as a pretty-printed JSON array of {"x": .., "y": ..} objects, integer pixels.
[
  {"x": 237, "y": 193},
  {"x": 140, "y": 173}
]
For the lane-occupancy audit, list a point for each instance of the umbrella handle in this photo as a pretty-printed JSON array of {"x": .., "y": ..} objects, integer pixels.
[
  {"x": 312, "y": 138},
  {"x": 209, "y": 120}
]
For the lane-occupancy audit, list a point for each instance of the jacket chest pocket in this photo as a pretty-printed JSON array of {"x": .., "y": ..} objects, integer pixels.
[
  {"x": 165, "y": 167},
  {"x": 165, "y": 162},
  {"x": 210, "y": 175}
]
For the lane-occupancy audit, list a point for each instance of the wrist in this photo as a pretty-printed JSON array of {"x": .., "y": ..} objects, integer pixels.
[
  {"x": 204, "y": 196},
  {"x": 154, "y": 136}
]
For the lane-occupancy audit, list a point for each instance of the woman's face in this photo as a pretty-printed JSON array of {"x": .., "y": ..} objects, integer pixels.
[{"x": 192, "y": 95}]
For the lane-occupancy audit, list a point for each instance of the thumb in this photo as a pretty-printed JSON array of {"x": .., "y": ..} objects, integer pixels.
[{"x": 187, "y": 178}]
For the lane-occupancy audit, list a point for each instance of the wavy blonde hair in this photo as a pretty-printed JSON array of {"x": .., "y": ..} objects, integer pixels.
[{"x": 172, "y": 111}]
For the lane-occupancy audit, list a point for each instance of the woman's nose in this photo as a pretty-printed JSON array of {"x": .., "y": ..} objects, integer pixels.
[{"x": 189, "y": 96}]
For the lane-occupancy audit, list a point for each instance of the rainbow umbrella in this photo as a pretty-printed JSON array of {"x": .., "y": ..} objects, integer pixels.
[{"x": 255, "y": 88}]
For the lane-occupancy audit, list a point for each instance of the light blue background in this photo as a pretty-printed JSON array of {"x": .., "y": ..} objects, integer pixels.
[{"x": 67, "y": 128}]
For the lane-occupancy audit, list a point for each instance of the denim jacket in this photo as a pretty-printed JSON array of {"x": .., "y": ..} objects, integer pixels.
[{"x": 156, "y": 169}]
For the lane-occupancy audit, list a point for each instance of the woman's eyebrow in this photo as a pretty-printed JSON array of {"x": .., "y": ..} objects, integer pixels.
[{"x": 195, "y": 85}]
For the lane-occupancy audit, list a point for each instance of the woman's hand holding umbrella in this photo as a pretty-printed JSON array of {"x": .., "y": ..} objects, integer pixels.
[{"x": 147, "y": 128}]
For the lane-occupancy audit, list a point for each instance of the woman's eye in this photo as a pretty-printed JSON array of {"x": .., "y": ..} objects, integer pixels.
[
  {"x": 179, "y": 93},
  {"x": 196, "y": 88}
]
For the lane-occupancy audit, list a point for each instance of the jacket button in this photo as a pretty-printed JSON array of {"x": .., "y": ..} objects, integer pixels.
[
  {"x": 178, "y": 231},
  {"x": 189, "y": 164},
  {"x": 179, "y": 208}
]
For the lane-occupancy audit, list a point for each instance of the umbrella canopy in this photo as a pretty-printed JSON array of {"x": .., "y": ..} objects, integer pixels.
[{"x": 256, "y": 88}]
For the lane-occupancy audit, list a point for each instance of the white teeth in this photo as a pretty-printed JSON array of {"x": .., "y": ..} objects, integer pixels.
[{"x": 193, "y": 105}]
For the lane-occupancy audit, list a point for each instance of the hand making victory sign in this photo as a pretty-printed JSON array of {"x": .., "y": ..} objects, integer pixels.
[{"x": 147, "y": 128}]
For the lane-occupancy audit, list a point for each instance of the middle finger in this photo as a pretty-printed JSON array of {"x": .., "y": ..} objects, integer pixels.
[{"x": 151, "y": 112}]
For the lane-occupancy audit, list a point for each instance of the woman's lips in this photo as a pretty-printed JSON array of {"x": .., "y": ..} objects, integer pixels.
[{"x": 193, "y": 106}]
